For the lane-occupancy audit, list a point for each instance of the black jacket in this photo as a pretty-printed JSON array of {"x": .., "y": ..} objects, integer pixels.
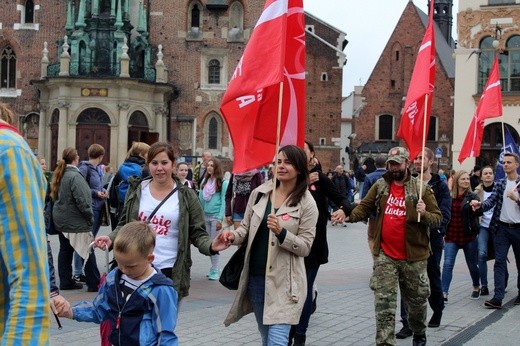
[
  {"x": 470, "y": 218},
  {"x": 321, "y": 191}
]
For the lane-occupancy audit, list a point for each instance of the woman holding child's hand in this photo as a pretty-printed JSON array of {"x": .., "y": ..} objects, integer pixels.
[{"x": 178, "y": 220}]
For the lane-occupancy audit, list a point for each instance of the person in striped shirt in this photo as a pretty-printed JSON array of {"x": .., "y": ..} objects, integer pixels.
[{"x": 24, "y": 272}]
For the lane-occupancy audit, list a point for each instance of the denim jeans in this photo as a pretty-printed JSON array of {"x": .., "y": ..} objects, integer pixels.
[
  {"x": 77, "y": 260},
  {"x": 302, "y": 326},
  {"x": 504, "y": 238},
  {"x": 483, "y": 238},
  {"x": 211, "y": 227},
  {"x": 450, "y": 254},
  {"x": 274, "y": 334}
]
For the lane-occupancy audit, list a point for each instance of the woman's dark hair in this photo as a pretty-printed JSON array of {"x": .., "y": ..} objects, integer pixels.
[
  {"x": 310, "y": 145},
  {"x": 218, "y": 174},
  {"x": 298, "y": 159},
  {"x": 158, "y": 148}
]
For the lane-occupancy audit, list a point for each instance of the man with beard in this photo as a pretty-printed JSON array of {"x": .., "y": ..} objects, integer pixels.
[
  {"x": 401, "y": 245},
  {"x": 443, "y": 198}
]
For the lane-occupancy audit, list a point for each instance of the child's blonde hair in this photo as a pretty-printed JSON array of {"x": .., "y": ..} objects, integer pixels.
[{"x": 135, "y": 236}]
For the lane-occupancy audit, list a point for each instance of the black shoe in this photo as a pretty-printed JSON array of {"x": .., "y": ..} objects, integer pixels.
[
  {"x": 484, "y": 291},
  {"x": 419, "y": 340},
  {"x": 299, "y": 340},
  {"x": 92, "y": 289},
  {"x": 404, "y": 333},
  {"x": 435, "y": 321},
  {"x": 445, "y": 297},
  {"x": 80, "y": 278},
  {"x": 517, "y": 300},
  {"x": 75, "y": 286},
  {"x": 493, "y": 303},
  {"x": 475, "y": 294}
]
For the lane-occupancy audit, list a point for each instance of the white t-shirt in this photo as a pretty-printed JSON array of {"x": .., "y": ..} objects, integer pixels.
[
  {"x": 509, "y": 212},
  {"x": 165, "y": 223}
]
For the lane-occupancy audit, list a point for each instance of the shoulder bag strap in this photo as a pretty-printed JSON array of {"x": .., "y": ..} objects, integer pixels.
[{"x": 160, "y": 204}]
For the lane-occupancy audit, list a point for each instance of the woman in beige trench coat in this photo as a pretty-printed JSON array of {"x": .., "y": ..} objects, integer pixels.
[{"x": 274, "y": 286}]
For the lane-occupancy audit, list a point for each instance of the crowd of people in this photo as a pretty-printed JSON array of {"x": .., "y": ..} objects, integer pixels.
[{"x": 159, "y": 207}]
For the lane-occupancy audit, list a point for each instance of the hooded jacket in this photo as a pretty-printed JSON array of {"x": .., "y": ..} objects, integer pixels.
[{"x": 148, "y": 316}]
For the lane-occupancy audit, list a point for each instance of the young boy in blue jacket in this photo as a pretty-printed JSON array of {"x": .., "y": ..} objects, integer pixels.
[{"x": 138, "y": 300}]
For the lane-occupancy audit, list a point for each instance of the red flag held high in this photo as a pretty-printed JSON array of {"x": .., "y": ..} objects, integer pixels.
[
  {"x": 275, "y": 53},
  {"x": 421, "y": 86},
  {"x": 489, "y": 106}
]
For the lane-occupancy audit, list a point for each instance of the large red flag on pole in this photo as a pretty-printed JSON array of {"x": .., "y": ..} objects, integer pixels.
[
  {"x": 418, "y": 105},
  {"x": 489, "y": 106},
  {"x": 273, "y": 62}
]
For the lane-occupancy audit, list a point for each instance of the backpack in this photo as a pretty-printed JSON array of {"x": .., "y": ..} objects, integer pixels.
[{"x": 127, "y": 170}]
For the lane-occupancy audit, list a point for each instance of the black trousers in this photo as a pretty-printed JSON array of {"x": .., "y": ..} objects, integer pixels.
[{"x": 65, "y": 266}]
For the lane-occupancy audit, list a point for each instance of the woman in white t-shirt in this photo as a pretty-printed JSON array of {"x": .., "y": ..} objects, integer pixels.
[{"x": 174, "y": 213}]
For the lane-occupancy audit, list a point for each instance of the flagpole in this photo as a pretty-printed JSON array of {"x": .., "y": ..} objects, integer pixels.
[
  {"x": 275, "y": 176},
  {"x": 422, "y": 150}
]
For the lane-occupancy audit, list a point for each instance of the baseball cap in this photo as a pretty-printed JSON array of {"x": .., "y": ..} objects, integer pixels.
[{"x": 398, "y": 154}]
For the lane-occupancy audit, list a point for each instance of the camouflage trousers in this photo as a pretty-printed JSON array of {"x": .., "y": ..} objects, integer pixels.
[{"x": 412, "y": 280}]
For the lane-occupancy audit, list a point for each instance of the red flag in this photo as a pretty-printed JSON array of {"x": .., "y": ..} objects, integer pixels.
[
  {"x": 275, "y": 53},
  {"x": 421, "y": 85},
  {"x": 489, "y": 106}
]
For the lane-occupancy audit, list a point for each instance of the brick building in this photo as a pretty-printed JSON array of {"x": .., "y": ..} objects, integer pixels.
[
  {"x": 485, "y": 28},
  {"x": 145, "y": 70},
  {"x": 384, "y": 94}
]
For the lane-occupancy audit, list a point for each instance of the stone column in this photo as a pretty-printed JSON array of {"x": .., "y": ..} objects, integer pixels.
[
  {"x": 43, "y": 132},
  {"x": 65, "y": 58},
  {"x": 63, "y": 107},
  {"x": 122, "y": 143},
  {"x": 160, "y": 112}
]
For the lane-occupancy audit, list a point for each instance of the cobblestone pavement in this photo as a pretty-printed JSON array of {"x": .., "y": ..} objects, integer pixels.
[{"x": 345, "y": 314}]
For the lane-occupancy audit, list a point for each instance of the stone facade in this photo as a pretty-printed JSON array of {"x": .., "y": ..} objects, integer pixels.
[
  {"x": 195, "y": 35},
  {"x": 385, "y": 92}
]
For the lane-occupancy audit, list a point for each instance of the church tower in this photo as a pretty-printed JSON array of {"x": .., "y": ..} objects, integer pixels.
[{"x": 443, "y": 16}]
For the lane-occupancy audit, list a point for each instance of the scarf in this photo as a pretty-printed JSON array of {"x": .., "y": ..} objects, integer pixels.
[{"x": 209, "y": 189}]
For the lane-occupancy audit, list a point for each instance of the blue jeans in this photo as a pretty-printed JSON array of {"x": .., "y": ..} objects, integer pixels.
[
  {"x": 78, "y": 261},
  {"x": 302, "y": 326},
  {"x": 450, "y": 254},
  {"x": 504, "y": 238},
  {"x": 211, "y": 227},
  {"x": 483, "y": 238},
  {"x": 274, "y": 334}
]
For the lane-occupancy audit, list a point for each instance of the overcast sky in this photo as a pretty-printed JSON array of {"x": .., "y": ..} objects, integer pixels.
[{"x": 368, "y": 25}]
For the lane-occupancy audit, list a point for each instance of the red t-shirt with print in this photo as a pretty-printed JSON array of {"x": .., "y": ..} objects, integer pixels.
[{"x": 394, "y": 219}]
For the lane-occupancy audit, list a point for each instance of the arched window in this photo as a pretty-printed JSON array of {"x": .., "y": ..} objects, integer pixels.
[
  {"x": 385, "y": 127},
  {"x": 509, "y": 63},
  {"x": 29, "y": 11},
  {"x": 513, "y": 49},
  {"x": 213, "y": 133},
  {"x": 236, "y": 16},
  {"x": 7, "y": 68},
  {"x": 432, "y": 130},
  {"x": 195, "y": 15},
  {"x": 214, "y": 72},
  {"x": 485, "y": 63}
]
